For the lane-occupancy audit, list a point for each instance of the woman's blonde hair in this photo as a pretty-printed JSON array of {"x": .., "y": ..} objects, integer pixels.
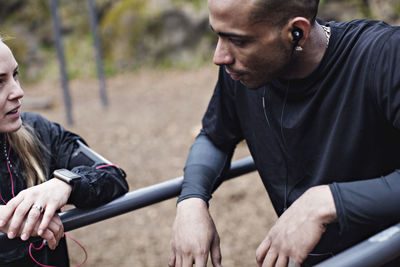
[{"x": 30, "y": 150}]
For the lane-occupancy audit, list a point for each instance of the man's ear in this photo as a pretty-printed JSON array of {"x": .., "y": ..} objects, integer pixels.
[{"x": 298, "y": 30}]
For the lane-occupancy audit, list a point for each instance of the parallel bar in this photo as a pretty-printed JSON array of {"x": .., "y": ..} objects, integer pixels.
[
  {"x": 98, "y": 55},
  {"x": 375, "y": 251},
  {"x": 61, "y": 59},
  {"x": 76, "y": 218}
]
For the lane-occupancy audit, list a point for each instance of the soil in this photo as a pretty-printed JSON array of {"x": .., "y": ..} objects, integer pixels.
[{"x": 147, "y": 129}]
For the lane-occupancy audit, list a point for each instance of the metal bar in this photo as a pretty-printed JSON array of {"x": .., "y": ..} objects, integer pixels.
[
  {"x": 98, "y": 54},
  {"x": 375, "y": 251},
  {"x": 61, "y": 59},
  {"x": 76, "y": 218}
]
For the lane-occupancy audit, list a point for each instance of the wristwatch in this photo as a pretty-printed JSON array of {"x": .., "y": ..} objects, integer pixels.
[{"x": 66, "y": 176}]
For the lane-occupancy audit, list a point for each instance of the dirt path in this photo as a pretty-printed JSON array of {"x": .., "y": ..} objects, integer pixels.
[{"x": 147, "y": 130}]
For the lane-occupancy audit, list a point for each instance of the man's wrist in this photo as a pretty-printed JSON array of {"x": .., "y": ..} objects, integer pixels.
[
  {"x": 192, "y": 202},
  {"x": 325, "y": 209}
]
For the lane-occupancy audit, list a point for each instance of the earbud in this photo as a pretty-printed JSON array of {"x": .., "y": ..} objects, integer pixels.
[{"x": 297, "y": 34}]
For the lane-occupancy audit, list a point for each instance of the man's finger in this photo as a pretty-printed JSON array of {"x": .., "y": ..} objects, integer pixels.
[
  {"x": 216, "y": 257},
  {"x": 201, "y": 261},
  {"x": 292, "y": 263},
  {"x": 178, "y": 261},
  {"x": 187, "y": 261},
  {"x": 270, "y": 259},
  {"x": 262, "y": 250},
  {"x": 172, "y": 257},
  {"x": 282, "y": 261}
]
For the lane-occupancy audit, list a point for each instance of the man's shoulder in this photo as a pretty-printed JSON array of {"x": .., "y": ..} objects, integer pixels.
[
  {"x": 365, "y": 26},
  {"x": 366, "y": 37}
]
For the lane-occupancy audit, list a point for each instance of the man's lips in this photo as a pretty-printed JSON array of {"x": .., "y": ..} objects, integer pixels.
[{"x": 234, "y": 75}]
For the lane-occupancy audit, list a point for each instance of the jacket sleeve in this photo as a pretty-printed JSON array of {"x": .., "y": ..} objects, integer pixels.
[{"x": 99, "y": 184}]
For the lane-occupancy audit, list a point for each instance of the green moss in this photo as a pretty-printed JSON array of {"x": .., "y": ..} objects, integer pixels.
[
  {"x": 79, "y": 54},
  {"x": 198, "y": 4},
  {"x": 397, "y": 9},
  {"x": 122, "y": 30}
]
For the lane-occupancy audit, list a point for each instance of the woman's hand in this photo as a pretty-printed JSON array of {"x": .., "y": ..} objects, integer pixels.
[
  {"x": 52, "y": 234},
  {"x": 28, "y": 206}
]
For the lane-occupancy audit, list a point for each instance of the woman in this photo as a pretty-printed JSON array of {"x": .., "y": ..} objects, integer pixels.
[{"x": 32, "y": 189}]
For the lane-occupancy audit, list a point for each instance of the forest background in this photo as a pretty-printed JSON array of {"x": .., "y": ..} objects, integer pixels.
[
  {"x": 136, "y": 33},
  {"x": 157, "y": 57}
]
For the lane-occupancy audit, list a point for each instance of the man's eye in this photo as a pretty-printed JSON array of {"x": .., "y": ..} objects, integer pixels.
[
  {"x": 237, "y": 42},
  {"x": 15, "y": 74}
]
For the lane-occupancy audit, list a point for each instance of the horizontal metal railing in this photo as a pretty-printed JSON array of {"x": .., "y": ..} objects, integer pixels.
[
  {"x": 375, "y": 251},
  {"x": 76, "y": 218}
]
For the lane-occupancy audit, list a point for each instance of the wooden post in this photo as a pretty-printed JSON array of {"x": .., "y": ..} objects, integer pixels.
[
  {"x": 61, "y": 59},
  {"x": 98, "y": 54}
]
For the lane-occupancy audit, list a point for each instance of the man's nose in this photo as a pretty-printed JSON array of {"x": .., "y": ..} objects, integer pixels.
[{"x": 222, "y": 55}]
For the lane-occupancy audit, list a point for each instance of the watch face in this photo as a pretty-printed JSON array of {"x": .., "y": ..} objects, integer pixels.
[{"x": 66, "y": 173}]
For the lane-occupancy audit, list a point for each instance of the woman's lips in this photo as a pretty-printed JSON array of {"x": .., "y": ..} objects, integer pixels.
[{"x": 13, "y": 113}]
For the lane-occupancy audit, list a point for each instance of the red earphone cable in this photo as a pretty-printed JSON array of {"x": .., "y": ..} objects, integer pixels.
[
  {"x": 107, "y": 165},
  {"x": 31, "y": 244}
]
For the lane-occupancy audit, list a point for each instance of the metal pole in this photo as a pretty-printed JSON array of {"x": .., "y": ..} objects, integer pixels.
[
  {"x": 61, "y": 59},
  {"x": 375, "y": 251},
  {"x": 98, "y": 55},
  {"x": 76, "y": 218}
]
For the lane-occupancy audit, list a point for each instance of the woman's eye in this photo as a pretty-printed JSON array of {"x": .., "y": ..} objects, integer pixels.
[{"x": 15, "y": 74}]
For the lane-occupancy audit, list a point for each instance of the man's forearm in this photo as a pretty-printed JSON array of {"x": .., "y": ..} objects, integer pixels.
[
  {"x": 204, "y": 166},
  {"x": 368, "y": 202}
]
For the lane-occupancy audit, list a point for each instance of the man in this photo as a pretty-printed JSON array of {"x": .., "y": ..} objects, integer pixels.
[{"x": 319, "y": 107}]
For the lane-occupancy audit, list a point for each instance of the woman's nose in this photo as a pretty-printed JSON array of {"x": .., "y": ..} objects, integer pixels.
[{"x": 16, "y": 91}]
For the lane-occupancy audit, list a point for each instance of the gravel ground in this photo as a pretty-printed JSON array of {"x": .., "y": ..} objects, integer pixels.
[{"x": 152, "y": 119}]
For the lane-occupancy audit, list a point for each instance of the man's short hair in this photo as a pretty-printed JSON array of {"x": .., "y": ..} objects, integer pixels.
[{"x": 279, "y": 12}]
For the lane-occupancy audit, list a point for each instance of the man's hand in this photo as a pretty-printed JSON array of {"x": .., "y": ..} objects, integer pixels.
[
  {"x": 194, "y": 236},
  {"x": 299, "y": 229}
]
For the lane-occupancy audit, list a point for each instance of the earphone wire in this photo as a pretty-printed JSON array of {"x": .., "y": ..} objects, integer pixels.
[
  {"x": 282, "y": 144},
  {"x": 281, "y": 147},
  {"x": 282, "y": 112}
]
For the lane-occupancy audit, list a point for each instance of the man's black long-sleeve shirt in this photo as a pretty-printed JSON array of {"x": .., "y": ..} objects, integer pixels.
[{"x": 339, "y": 126}]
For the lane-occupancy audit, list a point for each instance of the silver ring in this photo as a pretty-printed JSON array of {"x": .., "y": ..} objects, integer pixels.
[{"x": 38, "y": 207}]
